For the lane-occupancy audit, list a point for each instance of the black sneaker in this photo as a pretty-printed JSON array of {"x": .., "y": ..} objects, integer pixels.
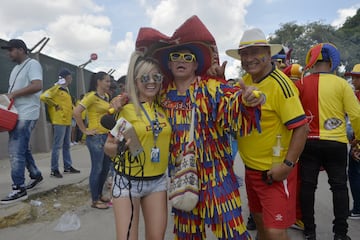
[
  {"x": 341, "y": 237},
  {"x": 56, "y": 174},
  {"x": 17, "y": 194},
  {"x": 71, "y": 170},
  {"x": 250, "y": 225},
  {"x": 33, "y": 182},
  {"x": 354, "y": 215}
]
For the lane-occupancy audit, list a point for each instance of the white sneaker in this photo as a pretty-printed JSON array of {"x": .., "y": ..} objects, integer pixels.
[{"x": 17, "y": 194}]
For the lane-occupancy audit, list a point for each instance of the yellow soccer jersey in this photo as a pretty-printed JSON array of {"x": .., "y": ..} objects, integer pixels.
[
  {"x": 96, "y": 107},
  {"x": 281, "y": 113},
  {"x": 58, "y": 96},
  {"x": 145, "y": 134}
]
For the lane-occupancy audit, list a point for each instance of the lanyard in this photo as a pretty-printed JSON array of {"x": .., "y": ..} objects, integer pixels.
[{"x": 155, "y": 125}]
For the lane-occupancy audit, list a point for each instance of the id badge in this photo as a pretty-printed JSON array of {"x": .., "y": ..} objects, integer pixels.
[{"x": 155, "y": 155}]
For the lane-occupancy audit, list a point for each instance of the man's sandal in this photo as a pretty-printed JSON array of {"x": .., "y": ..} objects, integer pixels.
[{"x": 99, "y": 205}]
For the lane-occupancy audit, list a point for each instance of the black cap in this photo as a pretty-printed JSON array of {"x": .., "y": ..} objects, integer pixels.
[
  {"x": 64, "y": 72},
  {"x": 15, "y": 43}
]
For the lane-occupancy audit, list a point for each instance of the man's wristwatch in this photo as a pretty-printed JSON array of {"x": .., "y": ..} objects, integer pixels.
[{"x": 289, "y": 163}]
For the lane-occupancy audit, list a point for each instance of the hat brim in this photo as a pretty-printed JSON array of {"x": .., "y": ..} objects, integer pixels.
[
  {"x": 274, "y": 49},
  {"x": 201, "y": 50},
  {"x": 348, "y": 74}
]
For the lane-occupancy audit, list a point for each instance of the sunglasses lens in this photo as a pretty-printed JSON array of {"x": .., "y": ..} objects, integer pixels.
[
  {"x": 175, "y": 56},
  {"x": 145, "y": 78},
  {"x": 157, "y": 77},
  {"x": 188, "y": 57}
]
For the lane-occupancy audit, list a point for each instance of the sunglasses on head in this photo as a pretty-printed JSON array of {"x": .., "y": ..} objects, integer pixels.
[
  {"x": 157, "y": 77},
  {"x": 178, "y": 56}
]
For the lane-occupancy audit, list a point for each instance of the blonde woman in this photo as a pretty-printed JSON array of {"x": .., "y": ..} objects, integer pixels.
[{"x": 140, "y": 180}]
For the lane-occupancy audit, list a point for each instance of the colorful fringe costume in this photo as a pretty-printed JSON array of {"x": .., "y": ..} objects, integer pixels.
[{"x": 219, "y": 201}]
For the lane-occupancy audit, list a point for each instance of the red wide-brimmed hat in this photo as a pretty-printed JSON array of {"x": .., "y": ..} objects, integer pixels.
[{"x": 192, "y": 35}]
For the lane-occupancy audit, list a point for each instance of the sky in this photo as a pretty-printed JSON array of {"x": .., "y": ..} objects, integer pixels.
[{"x": 109, "y": 27}]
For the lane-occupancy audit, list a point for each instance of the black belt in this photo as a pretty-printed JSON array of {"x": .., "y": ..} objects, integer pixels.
[{"x": 143, "y": 178}]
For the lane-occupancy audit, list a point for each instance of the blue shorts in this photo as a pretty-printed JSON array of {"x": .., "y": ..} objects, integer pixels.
[
  {"x": 138, "y": 188},
  {"x": 73, "y": 122}
]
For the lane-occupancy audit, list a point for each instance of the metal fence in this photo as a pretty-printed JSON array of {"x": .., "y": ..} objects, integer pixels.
[{"x": 42, "y": 136}]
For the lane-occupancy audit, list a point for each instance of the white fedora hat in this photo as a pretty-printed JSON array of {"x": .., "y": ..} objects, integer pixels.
[{"x": 252, "y": 38}]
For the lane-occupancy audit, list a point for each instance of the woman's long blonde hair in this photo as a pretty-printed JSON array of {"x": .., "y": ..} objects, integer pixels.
[{"x": 138, "y": 66}]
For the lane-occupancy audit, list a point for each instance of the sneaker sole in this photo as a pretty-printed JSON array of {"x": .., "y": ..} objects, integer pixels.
[
  {"x": 354, "y": 217},
  {"x": 15, "y": 200},
  {"x": 30, "y": 188},
  {"x": 56, "y": 176}
]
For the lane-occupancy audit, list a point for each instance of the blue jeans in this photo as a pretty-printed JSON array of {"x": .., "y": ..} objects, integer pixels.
[
  {"x": 20, "y": 154},
  {"x": 333, "y": 157},
  {"x": 100, "y": 163},
  {"x": 61, "y": 139},
  {"x": 354, "y": 180},
  {"x": 234, "y": 147}
]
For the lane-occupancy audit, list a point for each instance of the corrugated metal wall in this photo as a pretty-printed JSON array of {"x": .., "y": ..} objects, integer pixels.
[{"x": 42, "y": 136}]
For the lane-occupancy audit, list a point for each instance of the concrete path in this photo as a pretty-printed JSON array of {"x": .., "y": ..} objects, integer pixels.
[{"x": 99, "y": 224}]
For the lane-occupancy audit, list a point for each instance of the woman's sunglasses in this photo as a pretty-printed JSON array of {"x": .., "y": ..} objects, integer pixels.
[{"x": 157, "y": 77}]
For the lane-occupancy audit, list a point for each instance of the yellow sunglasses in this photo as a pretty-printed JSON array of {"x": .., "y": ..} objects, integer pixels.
[{"x": 178, "y": 56}]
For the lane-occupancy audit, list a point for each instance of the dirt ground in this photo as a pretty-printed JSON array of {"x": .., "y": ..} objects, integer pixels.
[{"x": 52, "y": 204}]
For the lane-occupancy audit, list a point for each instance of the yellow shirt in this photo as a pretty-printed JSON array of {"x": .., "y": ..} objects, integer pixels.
[
  {"x": 281, "y": 113},
  {"x": 96, "y": 107},
  {"x": 326, "y": 98},
  {"x": 58, "y": 96},
  {"x": 146, "y": 137}
]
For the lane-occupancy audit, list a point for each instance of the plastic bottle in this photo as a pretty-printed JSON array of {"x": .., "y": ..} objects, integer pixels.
[{"x": 277, "y": 151}]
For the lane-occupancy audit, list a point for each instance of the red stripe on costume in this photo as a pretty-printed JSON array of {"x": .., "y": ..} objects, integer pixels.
[{"x": 309, "y": 95}]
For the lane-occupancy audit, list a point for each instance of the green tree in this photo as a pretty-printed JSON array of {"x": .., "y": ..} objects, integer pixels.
[
  {"x": 350, "y": 44},
  {"x": 301, "y": 37}
]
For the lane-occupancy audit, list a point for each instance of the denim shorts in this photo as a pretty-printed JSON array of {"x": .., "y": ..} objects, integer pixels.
[{"x": 139, "y": 188}]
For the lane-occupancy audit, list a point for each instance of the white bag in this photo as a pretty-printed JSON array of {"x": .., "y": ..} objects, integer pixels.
[
  {"x": 184, "y": 182},
  {"x": 68, "y": 222}
]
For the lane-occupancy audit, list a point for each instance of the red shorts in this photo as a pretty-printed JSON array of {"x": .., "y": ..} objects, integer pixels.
[{"x": 277, "y": 202}]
